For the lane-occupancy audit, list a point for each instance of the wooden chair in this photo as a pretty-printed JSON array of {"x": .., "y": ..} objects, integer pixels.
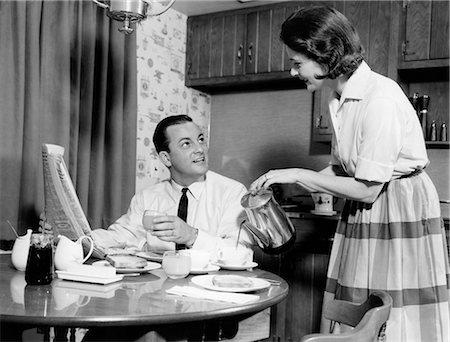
[{"x": 368, "y": 319}]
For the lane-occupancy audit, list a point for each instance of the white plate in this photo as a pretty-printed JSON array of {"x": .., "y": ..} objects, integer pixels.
[
  {"x": 88, "y": 278},
  {"x": 323, "y": 213},
  {"x": 206, "y": 282},
  {"x": 149, "y": 256},
  {"x": 247, "y": 265},
  {"x": 150, "y": 266},
  {"x": 209, "y": 268}
]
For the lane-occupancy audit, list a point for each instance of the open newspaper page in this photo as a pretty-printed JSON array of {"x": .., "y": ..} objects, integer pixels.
[{"x": 63, "y": 210}]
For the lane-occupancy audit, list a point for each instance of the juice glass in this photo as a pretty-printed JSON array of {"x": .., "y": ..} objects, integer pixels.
[
  {"x": 147, "y": 219},
  {"x": 176, "y": 264}
]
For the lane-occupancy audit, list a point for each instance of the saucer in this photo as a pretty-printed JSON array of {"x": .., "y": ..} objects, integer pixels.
[
  {"x": 207, "y": 269},
  {"x": 247, "y": 265},
  {"x": 324, "y": 213}
]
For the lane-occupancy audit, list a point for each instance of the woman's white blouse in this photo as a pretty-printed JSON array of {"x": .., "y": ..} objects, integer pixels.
[{"x": 377, "y": 134}]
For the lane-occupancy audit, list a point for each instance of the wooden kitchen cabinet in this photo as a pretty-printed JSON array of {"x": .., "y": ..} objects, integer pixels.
[
  {"x": 236, "y": 47},
  {"x": 425, "y": 35},
  {"x": 304, "y": 266}
]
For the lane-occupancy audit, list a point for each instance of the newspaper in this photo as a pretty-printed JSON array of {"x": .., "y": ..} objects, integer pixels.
[{"x": 63, "y": 210}]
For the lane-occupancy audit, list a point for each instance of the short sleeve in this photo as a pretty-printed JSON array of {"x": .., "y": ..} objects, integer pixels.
[{"x": 381, "y": 137}]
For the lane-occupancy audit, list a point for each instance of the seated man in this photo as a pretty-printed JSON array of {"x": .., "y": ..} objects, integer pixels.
[{"x": 214, "y": 212}]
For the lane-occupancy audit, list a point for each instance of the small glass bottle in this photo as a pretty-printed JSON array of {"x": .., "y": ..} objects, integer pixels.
[
  {"x": 444, "y": 132},
  {"x": 433, "y": 131},
  {"x": 39, "y": 270}
]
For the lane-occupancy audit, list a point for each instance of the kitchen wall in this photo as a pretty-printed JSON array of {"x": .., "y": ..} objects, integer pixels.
[
  {"x": 253, "y": 132},
  {"x": 161, "y": 50}
]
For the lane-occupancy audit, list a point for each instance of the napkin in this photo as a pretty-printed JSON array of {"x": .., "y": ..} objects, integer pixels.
[{"x": 194, "y": 292}]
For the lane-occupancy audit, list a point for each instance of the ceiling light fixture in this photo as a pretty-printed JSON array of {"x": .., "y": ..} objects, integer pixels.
[{"x": 132, "y": 11}]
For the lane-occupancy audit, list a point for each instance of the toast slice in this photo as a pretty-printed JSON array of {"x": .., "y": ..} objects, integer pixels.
[
  {"x": 231, "y": 281},
  {"x": 126, "y": 261}
]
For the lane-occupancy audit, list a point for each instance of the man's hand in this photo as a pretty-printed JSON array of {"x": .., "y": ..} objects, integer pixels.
[{"x": 173, "y": 229}]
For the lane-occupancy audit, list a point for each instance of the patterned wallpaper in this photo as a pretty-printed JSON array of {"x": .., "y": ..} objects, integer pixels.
[{"x": 161, "y": 47}]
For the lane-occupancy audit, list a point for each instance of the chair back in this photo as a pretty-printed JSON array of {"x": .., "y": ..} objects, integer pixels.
[{"x": 368, "y": 319}]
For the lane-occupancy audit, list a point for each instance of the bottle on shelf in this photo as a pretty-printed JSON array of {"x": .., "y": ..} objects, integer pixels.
[
  {"x": 443, "y": 136},
  {"x": 425, "y": 101},
  {"x": 433, "y": 131}
]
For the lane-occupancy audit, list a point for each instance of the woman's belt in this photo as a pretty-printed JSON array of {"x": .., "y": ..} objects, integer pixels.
[{"x": 412, "y": 174}]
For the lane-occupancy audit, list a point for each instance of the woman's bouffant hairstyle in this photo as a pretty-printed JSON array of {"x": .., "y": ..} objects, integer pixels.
[{"x": 324, "y": 35}]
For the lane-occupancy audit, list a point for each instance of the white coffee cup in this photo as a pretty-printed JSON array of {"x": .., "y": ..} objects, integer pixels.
[
  {"x": 234, "y": 256},
  {"x": 199, "y": 259},
  {"x": 322, "y": 202},
  {"x": 69, "y": 252}
]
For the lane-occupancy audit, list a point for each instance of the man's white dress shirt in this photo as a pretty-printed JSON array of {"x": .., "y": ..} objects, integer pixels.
[{"x": 214, "y": 209}]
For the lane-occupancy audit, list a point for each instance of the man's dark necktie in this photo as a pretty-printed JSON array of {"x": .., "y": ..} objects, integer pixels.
[{"x": 182, "y": 212}]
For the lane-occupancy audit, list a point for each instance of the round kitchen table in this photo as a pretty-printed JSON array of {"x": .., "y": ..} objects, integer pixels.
[{"x": 131, "y": 308}]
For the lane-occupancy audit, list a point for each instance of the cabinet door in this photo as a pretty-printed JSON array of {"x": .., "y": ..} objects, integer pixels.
[
  {"x": 233, "y": 45},
  {"x": 417, "y": 31},
  {"x": 215, "y": 46},
  {"x": 426, "y": 32},
  {"x": 192, "y": 48},
  {"x": 439, "y": 44},
  {"x": 198, "y": 47}
]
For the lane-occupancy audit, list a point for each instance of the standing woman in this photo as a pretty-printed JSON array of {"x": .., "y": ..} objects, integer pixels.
[{"x": 391, "y": 236}]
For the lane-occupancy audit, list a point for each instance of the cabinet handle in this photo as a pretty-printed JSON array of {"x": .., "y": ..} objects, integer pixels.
[
  {"x": 250, "y": 53},
  {"x": 239, "y": 53},
  {"x": 404, "y": 48},
  {"x": 319, "y": 123}
]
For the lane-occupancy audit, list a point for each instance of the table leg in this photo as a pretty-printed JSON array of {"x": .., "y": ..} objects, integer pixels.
[{"x": 60, "y": 334}]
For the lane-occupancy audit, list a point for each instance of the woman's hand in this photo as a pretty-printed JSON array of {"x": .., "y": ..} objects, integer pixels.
[{"x": 276, "y": 177}]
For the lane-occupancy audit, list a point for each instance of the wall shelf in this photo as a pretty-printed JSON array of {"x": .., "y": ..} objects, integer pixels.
[{"x": 438, "y": 144}]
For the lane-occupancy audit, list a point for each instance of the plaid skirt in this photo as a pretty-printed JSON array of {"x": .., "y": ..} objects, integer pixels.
[{"x": 396, "y": 244}]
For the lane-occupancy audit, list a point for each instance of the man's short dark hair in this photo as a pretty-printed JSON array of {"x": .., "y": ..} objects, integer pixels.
[{"x": 160, "y": 139}]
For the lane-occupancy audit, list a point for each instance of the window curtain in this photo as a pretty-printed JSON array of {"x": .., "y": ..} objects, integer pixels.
[{"x": 68, "y": 77}]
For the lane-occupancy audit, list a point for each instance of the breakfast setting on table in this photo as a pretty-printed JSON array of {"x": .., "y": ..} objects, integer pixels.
[
  {"x": 226, "y": 275},
  {"x": 72, "y": 264}
]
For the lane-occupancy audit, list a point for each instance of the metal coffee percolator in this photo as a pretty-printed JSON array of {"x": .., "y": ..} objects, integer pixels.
[{"x": 267, "y": 221}]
